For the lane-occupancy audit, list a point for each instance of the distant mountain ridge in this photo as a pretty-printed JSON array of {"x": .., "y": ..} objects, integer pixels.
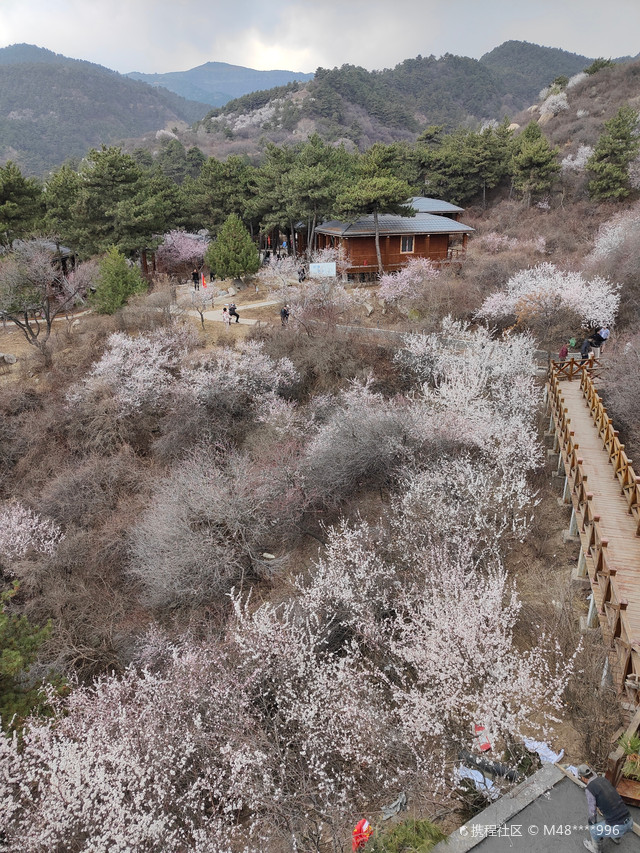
[
  {"x": 216, "y": 83},
  {"x": 53, "y": 107}
]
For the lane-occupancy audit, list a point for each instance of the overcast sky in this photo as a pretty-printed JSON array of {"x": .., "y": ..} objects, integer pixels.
[{"x": 300, "y": 35}]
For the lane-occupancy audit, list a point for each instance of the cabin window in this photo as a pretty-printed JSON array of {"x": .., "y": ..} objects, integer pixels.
[{"x": 406, "y": 244}]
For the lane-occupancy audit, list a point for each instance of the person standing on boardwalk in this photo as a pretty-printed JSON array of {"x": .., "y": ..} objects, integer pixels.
[
  {"x": 233, "y": 312},
  {"x": 195, "y": 278},
  {"x": 602, "y": 797},
  {"x": 564, "y": 352},
  {"x": 225, "y": 316}
]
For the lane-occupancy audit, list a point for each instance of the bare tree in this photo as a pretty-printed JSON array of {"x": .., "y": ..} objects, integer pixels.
[{"x": 34, "y": 290}]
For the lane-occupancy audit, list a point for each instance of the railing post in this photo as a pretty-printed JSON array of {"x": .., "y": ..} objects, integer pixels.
[{"x": 582, "y": 565}]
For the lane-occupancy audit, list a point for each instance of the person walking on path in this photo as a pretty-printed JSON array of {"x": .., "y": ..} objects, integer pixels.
[
  {"x": 195, "y": 278},
  {"x": 233, "y": 312},
  {"x": 564, "y": 352},
  {"x": 225, "y": 316},
  {"x": 602, "y": 797},
  {"x": 284, "y": 315}
]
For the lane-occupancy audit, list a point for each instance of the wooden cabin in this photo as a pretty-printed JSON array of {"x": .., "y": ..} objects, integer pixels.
[{"x": 435, "y": 232}]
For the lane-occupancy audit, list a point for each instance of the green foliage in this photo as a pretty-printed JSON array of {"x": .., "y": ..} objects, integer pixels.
[
  {"x": 410, "y": 836},
  {"x": 609, "y": 164},
  {"x": 535, "y": 163},
  {"x": 117, "y": 281},
  {"x": 233, "y": 254},
  {"x": 19, "y": 644},
  {"x": 631, "y": 746},
  {"x": 598, "y": 65},
  {"x": 464, "y": 165},
  {"x": 20, "y": 204}
]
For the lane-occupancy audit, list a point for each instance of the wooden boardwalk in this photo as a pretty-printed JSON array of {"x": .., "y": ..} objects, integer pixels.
[{"x": 605, "y": 496}]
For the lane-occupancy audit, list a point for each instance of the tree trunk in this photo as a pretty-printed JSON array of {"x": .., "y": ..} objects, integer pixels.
[{"x": 378, "y": 253}]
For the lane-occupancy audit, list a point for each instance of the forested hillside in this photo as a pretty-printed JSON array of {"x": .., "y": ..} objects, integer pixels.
[{"x": 53, "y": 108}]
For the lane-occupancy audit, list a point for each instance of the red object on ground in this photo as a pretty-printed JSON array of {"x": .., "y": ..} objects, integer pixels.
[
  {"x": 483, "y": 741},
  {"x": 361, "y": 834}
]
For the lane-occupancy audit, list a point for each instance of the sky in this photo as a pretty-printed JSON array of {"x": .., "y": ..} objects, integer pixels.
[{"x": 156, "y": 36}]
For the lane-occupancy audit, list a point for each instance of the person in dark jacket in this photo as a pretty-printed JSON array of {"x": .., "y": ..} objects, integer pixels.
[
  {"x": 195, "y": 278},
  {"x": 233, "y": 312},
  {"x": 585, "y": 349},
  {"x": 602, "y": 797}
]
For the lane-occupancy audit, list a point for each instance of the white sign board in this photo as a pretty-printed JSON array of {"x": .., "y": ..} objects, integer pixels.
[{"x": 327, "y": 270}]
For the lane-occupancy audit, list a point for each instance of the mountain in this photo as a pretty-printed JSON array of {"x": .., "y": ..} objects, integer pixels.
[
  {"x": 523, "y": 69},
  {"x": 53, "y": 108},
  {"x": 215, "y": 83},
  {"x": 354, "y": 105}
]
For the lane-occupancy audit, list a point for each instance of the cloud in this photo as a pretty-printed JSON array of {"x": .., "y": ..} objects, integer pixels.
[{"x": 174, "y": 35}]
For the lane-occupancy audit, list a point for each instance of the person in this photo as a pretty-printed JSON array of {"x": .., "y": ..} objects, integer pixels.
[
  {"x": 301, "y": 275},
  {"x": 599, "y": 338},
  {"x": 284, "y": 315},
  {"x": 564, "y": 352},
  {"x": 233, "y": 312},
  {"x": 585, "y": 349},
  {"x": 225, "y": 316},
  {"x": 195, "y": 278},
  {"x": 601, "y": 796}
]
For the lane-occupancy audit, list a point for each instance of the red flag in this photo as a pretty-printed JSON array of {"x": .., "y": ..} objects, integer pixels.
[{"x": 204, "y": 283}]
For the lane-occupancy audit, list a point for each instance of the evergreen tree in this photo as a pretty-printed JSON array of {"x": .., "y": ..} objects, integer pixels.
[
  {"x": 60, "y": 197},
  {"x": 19, "y": 644},
  {"x": 20, "y": 204},
  {"x": 374, "y": 191},
  {"x": 233, "y": 254},
  {"x": 117, "y": 281},
  {"x": 609, "y": 164},
  {"x": 534, "y": 163},
  {"x": 464, "y": 165}
]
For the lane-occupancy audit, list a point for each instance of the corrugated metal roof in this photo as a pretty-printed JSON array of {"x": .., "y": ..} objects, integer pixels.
[
  {"x": 421, "y": 223},
  {"x": 433, "y": 205}
]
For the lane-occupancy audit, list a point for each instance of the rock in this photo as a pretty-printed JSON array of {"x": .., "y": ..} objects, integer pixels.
[
  {"x": 9, "y": 358},
  {"x": 232, "y": 291},
  {"x": 267, "y": 556},
  {"x": 368, "y": 309}
]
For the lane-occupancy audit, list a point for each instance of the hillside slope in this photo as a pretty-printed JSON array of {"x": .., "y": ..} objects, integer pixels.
[{"x": 53, "y": 108}]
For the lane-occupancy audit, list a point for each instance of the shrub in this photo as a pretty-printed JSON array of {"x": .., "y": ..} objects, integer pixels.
[{"x": 117, "y": 281}]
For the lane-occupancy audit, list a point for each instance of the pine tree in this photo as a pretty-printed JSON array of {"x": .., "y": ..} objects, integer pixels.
[
  {"x": 535, "y": 164},
  {"x": 609, "y": 164},
  {"x": 19, "y": 644},
  {"x": 20, "y": 204},
  {"x": 117, "y": 282},
  {"x": 233, "y": 254},
  {"x": 374, "y": 191}
]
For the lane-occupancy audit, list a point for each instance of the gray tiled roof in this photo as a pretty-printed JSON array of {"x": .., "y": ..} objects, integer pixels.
[
  {"x": 433, "y": 205},
  {"x": 421, "y": 223}
]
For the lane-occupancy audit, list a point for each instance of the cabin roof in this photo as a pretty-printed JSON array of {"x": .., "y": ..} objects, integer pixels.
[
  {"x": 421, "y": 223},
  {"x": 433, "y": 205}
]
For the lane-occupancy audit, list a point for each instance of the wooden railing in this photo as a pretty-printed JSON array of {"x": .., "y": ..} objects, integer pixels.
[{"x": 594, "y": 562}]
